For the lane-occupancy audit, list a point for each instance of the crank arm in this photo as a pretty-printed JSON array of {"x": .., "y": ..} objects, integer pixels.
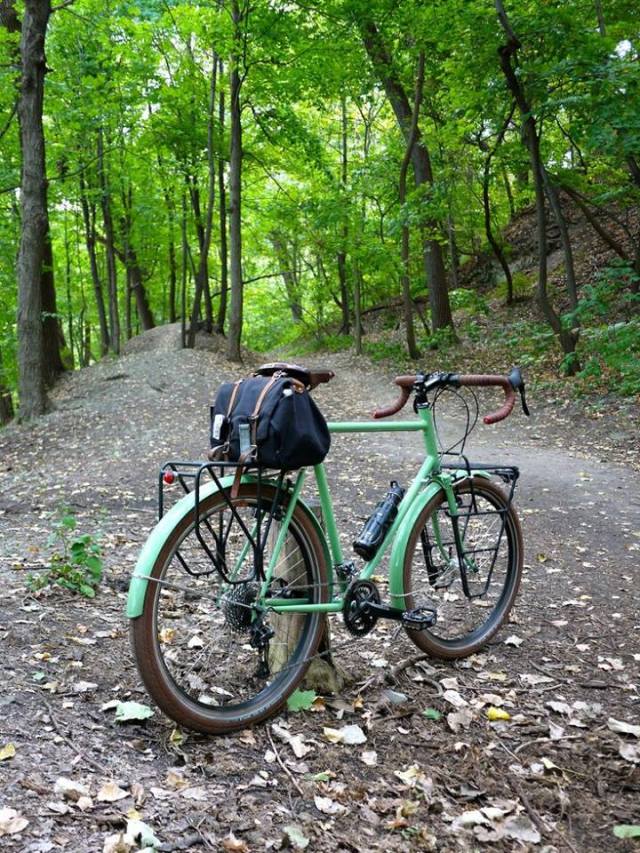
[{"x": 416, "y": 620}]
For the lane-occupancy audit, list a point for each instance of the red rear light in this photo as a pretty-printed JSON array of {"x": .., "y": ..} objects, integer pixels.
[{"x": 169, "y": 477}]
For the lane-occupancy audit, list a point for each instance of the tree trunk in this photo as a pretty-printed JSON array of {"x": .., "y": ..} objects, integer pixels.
[
  {"x": 89, "y": 219},
  {"x": 33, "y": 202},
  {"x": 288, "y": 272},
  {"x": 112, "y": 275},
  {"x": 568, "y": 339},
  {"x": 509, "y": 191},
  {"x": 405, "y": 277},
  {"x": 53, "y": 336},
  {"x": 558, "y": 215},
  {"x": 184, "y": 272},
  {"x": 421, "y": 161},
  {"x": 222, "y": 206},
  {"x": 6, "y": 401},
  {"x": 235, "y": 192},
  {"x": 341, "y": 259},
  {"x": 486, "y": 203},
  {"x": 135, "y": 279}
]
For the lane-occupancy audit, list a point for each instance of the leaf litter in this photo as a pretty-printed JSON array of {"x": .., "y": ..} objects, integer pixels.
[{"x": 571, "y": 655}]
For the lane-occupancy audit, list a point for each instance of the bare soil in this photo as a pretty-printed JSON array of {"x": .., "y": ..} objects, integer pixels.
[{"x": 554, "y": 776}]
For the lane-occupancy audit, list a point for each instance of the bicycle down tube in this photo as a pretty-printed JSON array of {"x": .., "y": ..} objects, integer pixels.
[{"x": 429, "y": 471}]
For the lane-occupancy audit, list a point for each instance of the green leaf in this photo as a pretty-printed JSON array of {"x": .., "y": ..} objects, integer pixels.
[
  {"x": 301, "y": 700},
  {"x": 126, "y": 711},
  {"x": 431, "y": 714},
  {"x": 68, "y": 521},
  {"x": 296, "y": 837},
  {"x": 87, "y": 591},
  {"x": 627, "y": 830},
  {"x": 94, "y": 565}
]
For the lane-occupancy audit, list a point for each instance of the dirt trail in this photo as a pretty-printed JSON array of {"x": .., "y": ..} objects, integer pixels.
[{"x": 556, "y": 772}]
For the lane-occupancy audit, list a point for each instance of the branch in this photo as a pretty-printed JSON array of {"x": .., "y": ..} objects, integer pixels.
[
  {"x": 10, "y": 119},
  {"x": 413, "y": 129},
  {"x": 266, "y": 275},
  {"x": 62, "y": 5}
]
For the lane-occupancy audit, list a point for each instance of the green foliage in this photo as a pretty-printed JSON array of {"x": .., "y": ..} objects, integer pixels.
[
  {"x": 301, "y": 700},
  {"x": 76, "y": 563},
  {"x": 139, "y": 76},
  {"x": 385, "y": 351},
  {"x": 468, "y": 300},
  {"x": 611, "y": 350}
]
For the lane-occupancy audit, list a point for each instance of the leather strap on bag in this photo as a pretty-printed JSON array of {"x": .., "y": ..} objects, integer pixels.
[
  {"x": 222, "y": 450},
  {"x": 249, "y": 455}
]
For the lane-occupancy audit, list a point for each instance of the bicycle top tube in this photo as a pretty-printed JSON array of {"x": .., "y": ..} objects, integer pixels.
[{"x": 378, "y": 426}]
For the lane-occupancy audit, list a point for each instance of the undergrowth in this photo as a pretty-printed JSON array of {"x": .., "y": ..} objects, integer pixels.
[{"x": 76, "y": 562}]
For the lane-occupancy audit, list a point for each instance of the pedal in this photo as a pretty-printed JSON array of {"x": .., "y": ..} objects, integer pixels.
[{"x": 419, "y": 619}]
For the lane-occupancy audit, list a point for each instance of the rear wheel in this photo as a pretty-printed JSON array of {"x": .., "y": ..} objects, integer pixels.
[
  {"x": 492, "y": 563},
  {"x": 198, "y": 643}
]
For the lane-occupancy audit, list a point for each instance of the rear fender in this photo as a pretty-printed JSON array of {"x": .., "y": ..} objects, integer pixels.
[{"x": 164, "y": 528}]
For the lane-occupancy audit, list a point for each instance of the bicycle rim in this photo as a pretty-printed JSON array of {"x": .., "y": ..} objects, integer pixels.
[
  {"x": 193, "y": 641},
  {"x": 492, "y": 565}
]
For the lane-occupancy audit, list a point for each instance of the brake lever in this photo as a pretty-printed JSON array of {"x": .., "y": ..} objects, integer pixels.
[{"x": 517, "y": 383}]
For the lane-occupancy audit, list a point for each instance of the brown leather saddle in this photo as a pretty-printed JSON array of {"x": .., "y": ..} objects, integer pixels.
[{"x": 309, "y": 378}]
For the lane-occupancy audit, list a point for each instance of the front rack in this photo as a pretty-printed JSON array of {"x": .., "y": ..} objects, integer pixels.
[
  {"x": 509, "y": 475},
  {"x": 191, "y": 476}
]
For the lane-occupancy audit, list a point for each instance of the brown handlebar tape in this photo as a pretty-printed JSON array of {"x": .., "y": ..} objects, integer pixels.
[
  {"x": 407, "y": 382},
  {"x": 484, "y": 381},
  {"x": 386, "y": 411}
]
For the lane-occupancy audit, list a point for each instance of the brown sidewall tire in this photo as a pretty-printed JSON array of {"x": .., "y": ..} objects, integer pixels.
[
  {"x": 151, "y": 667},
  {"x": 426, "y": 641}
]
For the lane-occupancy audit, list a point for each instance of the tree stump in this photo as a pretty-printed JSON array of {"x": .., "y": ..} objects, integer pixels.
[{"x": 324, "y": 675}]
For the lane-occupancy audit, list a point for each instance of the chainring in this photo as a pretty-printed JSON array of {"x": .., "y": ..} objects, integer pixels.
[
  {"x": 356, "y": 618},
  {"x": 237, "y": 604}
]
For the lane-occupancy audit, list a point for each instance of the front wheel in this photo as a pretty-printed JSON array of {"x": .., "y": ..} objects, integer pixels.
[
  {"x": 198, "y": 644},
  {"x": 490, "y": 562}
]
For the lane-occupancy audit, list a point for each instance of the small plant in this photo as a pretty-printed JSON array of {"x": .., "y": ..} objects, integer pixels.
[{"x": 76, "y": 564}]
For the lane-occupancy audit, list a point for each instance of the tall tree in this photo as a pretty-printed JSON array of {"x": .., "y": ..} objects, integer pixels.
[
  {"x": 382, "y": 62},
  {"x": 33, "y": 203},
  {"x": 235, "y": 184}
]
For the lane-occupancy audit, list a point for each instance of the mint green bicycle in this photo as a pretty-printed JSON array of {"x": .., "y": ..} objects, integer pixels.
[{"x": 230, "y": 594}]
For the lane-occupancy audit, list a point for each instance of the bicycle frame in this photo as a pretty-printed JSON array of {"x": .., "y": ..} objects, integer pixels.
[
  {"x": 428, "y": 482},
  {"x": 429, "y": 474}
]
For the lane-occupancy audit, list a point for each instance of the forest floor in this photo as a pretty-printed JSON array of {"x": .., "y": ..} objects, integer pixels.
[{"x": 558, "y": 775}]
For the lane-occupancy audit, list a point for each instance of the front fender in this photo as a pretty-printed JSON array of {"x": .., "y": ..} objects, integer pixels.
[
  {"x": 163, "y": 529},
  {"x": 396, "y": 560}
]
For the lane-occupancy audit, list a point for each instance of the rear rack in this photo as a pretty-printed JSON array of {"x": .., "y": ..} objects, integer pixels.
[{"x": 191, "y": 476}]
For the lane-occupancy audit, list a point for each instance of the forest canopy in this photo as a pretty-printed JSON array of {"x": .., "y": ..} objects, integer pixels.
[{"x": 272, "y": 171}]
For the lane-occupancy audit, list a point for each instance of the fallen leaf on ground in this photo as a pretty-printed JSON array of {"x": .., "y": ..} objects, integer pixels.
[
  {"x": 350, "y": 735},
  {"x": 295, "y": 837},
  {"x": 234, "y": 845},
  {"x": 11, "y": 822},
  {"x": 126, "y": 711},
  {"x": 7, "y": 751},
  {"x": 301, "y": 700},
  {"x": 494, "y": 714},
  {"x": 117, "y": 843},
  {"x": 328, "y": 806},
  {"x": 622, "y": 728},
  {"x": 630, "y": 752},
  {"x": 69, "y": 789},
  {"x": 300, "y": 749},
  {"x": 111, "y": 793},
  {"x": 461, "y": 719},
  {"x": 627, "y": 830}
]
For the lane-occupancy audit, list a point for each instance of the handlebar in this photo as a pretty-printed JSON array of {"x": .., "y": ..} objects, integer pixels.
[{"x": 422, "y": 384}]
